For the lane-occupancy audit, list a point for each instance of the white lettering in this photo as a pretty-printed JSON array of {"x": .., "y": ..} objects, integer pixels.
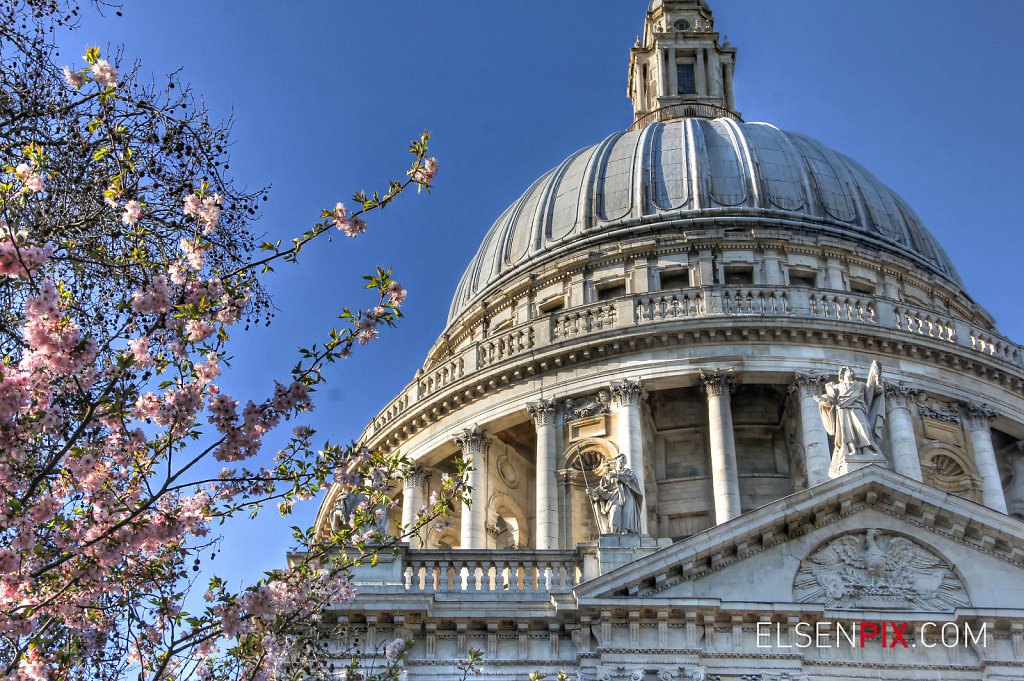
[
  {"x": 956, "y": 634},
  {"x": 982, "y": 635},
  {"x": 767, "y": 635}
]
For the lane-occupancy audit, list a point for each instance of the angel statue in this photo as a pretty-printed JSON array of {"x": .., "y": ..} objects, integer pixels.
[
  {"x": 854, "y": 414},
  {"x": 618, "y": 500}
]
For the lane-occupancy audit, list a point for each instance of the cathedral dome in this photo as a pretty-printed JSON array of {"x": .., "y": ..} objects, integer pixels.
[{"x": 692, "y": 174}]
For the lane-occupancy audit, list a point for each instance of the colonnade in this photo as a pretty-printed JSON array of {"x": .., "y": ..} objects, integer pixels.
[{"x": 627, "y": 399}]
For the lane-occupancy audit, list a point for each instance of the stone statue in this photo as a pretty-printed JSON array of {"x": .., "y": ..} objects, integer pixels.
[
  {"x": 618, "y": 500},
  {"x": 347, "y": 504},
  {"x": 854, "y": 414}
]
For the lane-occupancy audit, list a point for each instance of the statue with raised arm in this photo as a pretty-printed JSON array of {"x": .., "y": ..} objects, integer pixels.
[
  {"x": 618, "y": 500},
  {"x": 854, "y": 414}
]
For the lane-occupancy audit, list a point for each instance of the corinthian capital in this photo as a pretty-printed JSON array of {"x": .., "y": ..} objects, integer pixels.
[
  {"x": 806, "y": 384},
  {"x": 543, "y": 413},
  {"x": 718, "y": 382},
  {"x": 415, "y": 476},
  {"x": 978, "y": 416},
  {"x": 627, "y": 393},
  {"x": 898, "y": 395},
  {"x": 472, "y": 441}
]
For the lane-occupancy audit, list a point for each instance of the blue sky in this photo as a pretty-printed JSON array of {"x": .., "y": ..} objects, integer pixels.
[{"x": 924, "y": 93}]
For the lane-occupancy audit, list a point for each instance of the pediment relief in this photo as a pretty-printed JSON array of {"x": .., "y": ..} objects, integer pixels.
[
  {"x": 878, "y": 570},
  {"x": 896, "y": 505}
]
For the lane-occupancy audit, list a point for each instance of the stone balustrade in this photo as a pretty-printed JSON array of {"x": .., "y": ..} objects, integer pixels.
[
  {"x": 505, "y": 344},
  {"x": 583, "y": 320},
  {"x": 523, "y": 572},
  {"x": 696, "y": 304}
]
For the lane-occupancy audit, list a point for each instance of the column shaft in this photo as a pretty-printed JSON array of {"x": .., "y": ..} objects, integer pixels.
[
  {"x": 977, "y": 420},
  {"x": 724, "y": 474},
  {"x": 817, "y": 455},
  {"x": 474, "y": 450},
  {"x": 905, "y": 458},
  {"x": 628, "y": 397},
  {"x": 412, "y": 499},
  {"x": 544, "y": 419}
]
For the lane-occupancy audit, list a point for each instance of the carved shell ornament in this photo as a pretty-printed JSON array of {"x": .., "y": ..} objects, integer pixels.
[{"x": 873, "y": 569}]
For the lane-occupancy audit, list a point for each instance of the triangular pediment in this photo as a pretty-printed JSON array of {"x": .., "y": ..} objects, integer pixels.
[{"x": 767, "y": 554}]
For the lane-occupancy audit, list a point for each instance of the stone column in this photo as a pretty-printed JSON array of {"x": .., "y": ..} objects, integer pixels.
[
  {"x": 701, "y": 76},
  {"x": 628, "y": 396},
  {"x": 545, "y": 419},
  {"x": 977, "y": 418},
  {"x": 673, "y": 73},
  {"x": 412, "y": 498},
  {"x": 474, "y": 447},
  {"x": 730, "y": 98},
  {"x": 905, "y": 458},
  {"x": 817, "y": 455},
  {"x": 724, "y": 475}
]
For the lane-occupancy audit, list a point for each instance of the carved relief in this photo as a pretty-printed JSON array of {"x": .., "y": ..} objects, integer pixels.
[
  {"x": 582, "y": 407},
  {"x": 937, "y": 409},
  {"x": 873, "y": 569}
]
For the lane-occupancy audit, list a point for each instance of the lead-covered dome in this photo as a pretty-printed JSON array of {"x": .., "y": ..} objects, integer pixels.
[{"x": 692, "y": 174}]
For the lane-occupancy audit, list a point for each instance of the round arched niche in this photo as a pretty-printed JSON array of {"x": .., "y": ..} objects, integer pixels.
[
  {"x": 591, "y": 456},
  {"x": 507, "y": 523},
  {"x": 949, "y": 469},
  {"x": 878, "y": 569}
]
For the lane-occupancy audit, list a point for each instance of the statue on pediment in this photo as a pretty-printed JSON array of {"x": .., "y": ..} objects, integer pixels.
[
  {"x": 618, "y": 500},
  {"x": 853, "y": 412}
]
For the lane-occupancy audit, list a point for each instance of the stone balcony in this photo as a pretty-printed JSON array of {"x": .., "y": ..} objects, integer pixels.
[{"x": 477, "y": 366}]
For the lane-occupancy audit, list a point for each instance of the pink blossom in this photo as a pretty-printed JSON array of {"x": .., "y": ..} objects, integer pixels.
[
  {"x": 156, "y": 298},
  {"x": 393, "y": 650},
  {"x": 426, "y": 172},
  {"x": 199, "y": 330},
  {"x": 396, "y": 293},
  {"x": 140, "y": 353},
  {"x": 132, "y": 213},
  {"x": 104, "y": 74},
  {"x": 75, "y": 79}
]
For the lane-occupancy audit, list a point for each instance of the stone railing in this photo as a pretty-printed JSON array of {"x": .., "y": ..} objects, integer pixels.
[
  {"x": 522, "y": 572},
  {"x": 449, "y": 371},
  {"x": 583, "y": 320},
  {"x": 842, "y": 306},
  {"x": 924, "y": 323},
  {"x": 683, "y": 305},
  {"x": 762, "y": 300},
  {"x": 668, "y": 305},
  {"x": 505, "y": 344}
]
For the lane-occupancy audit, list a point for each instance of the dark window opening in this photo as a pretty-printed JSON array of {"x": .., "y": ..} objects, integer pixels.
[
  {"x": 686, "y": 79},
  {"x": 612, "y": 291},
  {"x": 673, "y": 279},
  {"x": 739, "y": 275},
  {"x": 808, "y": 279},
  {"x": 552, "y": 306},
  {"x": 862, "y": 287}
]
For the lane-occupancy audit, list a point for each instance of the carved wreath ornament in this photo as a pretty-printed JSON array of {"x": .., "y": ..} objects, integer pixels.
[{"x": 871, "y": 569}]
